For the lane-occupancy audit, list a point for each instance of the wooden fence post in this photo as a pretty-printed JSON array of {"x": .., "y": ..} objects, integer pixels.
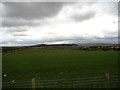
[
  {"x": 33, "y": 84},
  {"x": 108, "y": 80}
]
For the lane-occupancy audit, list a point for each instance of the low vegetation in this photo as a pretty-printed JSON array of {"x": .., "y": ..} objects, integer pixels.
[{"x": 54, "y": 63}]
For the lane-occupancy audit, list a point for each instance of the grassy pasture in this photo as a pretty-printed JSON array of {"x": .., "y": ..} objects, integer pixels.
[{"x": 52, "y": 64}]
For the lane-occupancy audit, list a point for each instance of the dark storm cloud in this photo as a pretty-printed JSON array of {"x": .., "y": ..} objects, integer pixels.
[
  {"x": 83, "y": 16},
  {"x": 32, "y": 10}
]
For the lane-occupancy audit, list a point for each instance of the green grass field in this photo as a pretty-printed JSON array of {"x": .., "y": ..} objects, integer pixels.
[{"x": 44, "y": 64}]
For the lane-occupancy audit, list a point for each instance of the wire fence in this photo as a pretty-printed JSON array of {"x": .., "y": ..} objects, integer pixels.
[{"x": 89, "y": 82}]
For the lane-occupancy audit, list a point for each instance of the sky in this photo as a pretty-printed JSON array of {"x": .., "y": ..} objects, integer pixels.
[{"x": 30, "y": 23}]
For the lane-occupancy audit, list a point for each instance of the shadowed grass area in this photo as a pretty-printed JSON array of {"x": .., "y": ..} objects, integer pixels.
[{"x": 58, "y": 64}]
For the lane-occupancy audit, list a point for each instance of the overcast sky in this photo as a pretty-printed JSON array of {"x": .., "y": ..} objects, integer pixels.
[{"x": 29, "y": 23}]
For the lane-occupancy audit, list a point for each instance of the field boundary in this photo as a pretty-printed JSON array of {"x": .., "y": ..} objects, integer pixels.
[{"x": 89, "y": 82}]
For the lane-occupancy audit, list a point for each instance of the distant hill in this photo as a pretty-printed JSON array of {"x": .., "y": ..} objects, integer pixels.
[{"x": 53, "y": 45}]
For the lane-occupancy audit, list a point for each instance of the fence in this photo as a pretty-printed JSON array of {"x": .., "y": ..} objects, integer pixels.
[{"x": 89, "y": 82}]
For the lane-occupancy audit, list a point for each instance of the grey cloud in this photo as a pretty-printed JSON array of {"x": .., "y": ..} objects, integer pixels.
[
  {"x": 19, "y": 34},
  {"x": 12, "y": 30},
  {"x": 17, "y": 22},
  {"x": 19, "y": 30},
  {"x": 113, "y": 5},
  {"x": 119, "y": 10},
  {"x": 24, "y": 13},
  {"x": 77, "y": 41},
  {"x": 29, "y": 11},
  {"x": 111, "y": 34},
  {"x": 83, "y": 16},
  {"x": 108, "y": 40},
  {"x": 34, "y": 10}
]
